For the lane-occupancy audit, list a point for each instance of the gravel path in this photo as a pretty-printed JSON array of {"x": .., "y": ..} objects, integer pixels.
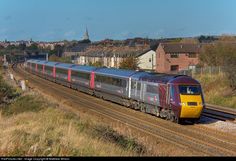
[{"x": 228, "y": 127}]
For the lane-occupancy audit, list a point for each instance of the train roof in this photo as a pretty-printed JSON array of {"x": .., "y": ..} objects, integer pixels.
[
  {"x": 139, "y": 75},
  {"x": 64, "y": 65},
  {"x": 83, "y": 68},
  {"x": 115, "y": 72},
  {"x": 41, "y": 62},
  {"x": 32, "y": 61},
  {"x": 52, "y": 64},
  {"x": 168, "y": 78}
]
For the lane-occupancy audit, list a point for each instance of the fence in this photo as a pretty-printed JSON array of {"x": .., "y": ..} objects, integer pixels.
[{"x": 203, "y": 71}]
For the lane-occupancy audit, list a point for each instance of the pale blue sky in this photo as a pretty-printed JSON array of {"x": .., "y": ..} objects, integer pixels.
[{"x": 53, "y": 20}]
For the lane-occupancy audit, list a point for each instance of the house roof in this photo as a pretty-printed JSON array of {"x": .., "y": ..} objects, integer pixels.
[
  {"x": 180, "y": 48},
  {"x": 81, "y": 47}
]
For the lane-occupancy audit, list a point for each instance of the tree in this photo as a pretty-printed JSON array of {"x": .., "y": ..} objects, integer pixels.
[
  {"x": 58, "y": 50},
  {"x": 53, "y": 58},
  {"x": 33, "y": 47},
  {"x": 227, "y": 38},
  {"x": 189, "y": 41},
  {"x": 221, "y": 54},
  {"x": 59, "y": 59},
  {"x": 97, "y": 64},
  {"x": 129, "y": 63}
]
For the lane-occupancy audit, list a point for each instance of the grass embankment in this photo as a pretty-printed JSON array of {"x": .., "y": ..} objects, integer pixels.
[
  {"x": 217, "y": 90},
  {"x": 32, "y": 126}
]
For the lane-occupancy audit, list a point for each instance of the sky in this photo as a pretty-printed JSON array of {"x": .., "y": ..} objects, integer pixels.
[{"x": 55, "y": 20}]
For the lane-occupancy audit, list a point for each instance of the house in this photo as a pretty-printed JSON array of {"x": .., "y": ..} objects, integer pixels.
[
  {"x": 147, "y": 60},
  {"x": 173, "y": 57}
]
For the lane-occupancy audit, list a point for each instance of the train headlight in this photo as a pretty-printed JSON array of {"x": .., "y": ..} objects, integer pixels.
[{"x": 182, "y": 104}]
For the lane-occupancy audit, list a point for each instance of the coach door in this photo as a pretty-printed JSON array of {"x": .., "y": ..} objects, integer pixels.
[{"x": 171, "y": 97}]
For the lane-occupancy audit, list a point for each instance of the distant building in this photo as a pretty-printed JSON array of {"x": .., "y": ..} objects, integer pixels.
[
  {"x": 86, "y": 35},
  {"x": 173, "y": 57},
  {"x": 147, "y": 60}
]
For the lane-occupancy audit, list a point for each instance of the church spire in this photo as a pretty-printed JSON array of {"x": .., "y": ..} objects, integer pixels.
[{"x": 86, "y": 35}]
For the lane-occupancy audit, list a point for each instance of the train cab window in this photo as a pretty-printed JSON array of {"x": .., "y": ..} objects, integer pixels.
[{"x": 189, "y": 90}]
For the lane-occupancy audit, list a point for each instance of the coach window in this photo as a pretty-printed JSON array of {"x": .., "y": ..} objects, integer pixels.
[
  {"x": 139, "y": 86},
  {"x": 40, "y": 67},
  {"x": 33, "y": 66},
  {"x": 83, "y": 75},
  {"x": 61, "y": 71},
  {"x": 74, "y": 75},
  {"x": 133, "y": 85},
  {"x": 123, "y": 84},
  {"x": 48, "y": 69},
  {"x": 151, "y": 89}
]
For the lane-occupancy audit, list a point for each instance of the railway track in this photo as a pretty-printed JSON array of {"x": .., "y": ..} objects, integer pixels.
[
  {"x": 219, "y": 113},
  {"x": 198, "y": 139}
]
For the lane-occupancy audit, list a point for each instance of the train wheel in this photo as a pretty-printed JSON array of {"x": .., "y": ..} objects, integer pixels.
[
  {"x": 158, "y": 112},
  {"x": 179, "y": 120},
  {"x": 172, "y": 116},
  {"x": 142, "y": 108}
]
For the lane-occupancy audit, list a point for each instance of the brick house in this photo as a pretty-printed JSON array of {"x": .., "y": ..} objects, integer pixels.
[{"x": 172, "y": 57}]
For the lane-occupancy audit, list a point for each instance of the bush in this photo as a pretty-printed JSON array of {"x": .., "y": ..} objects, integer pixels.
[
  {"x": 221, "y": 54},
  {"x": 23, "y": 104},
  {"x": 7, "y": 92}
]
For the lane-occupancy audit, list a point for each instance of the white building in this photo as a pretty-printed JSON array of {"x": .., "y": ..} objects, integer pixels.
[{"x": 147, "y": 60}]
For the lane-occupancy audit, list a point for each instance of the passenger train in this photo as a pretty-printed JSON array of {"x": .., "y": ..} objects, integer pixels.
[{"x": 174, "y": 97}]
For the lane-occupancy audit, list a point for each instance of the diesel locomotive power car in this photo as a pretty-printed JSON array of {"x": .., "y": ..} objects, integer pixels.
[{"x": 174, "y": 97}]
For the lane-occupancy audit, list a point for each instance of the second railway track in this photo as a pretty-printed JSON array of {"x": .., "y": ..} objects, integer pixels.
[{"x": 194, "y": 137}]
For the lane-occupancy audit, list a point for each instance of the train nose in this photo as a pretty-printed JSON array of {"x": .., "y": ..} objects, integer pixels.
[{"x": 191, "y": 106}]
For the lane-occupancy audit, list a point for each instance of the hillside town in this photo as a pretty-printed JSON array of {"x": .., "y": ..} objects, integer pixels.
[{"x": 159, "y": 55}]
